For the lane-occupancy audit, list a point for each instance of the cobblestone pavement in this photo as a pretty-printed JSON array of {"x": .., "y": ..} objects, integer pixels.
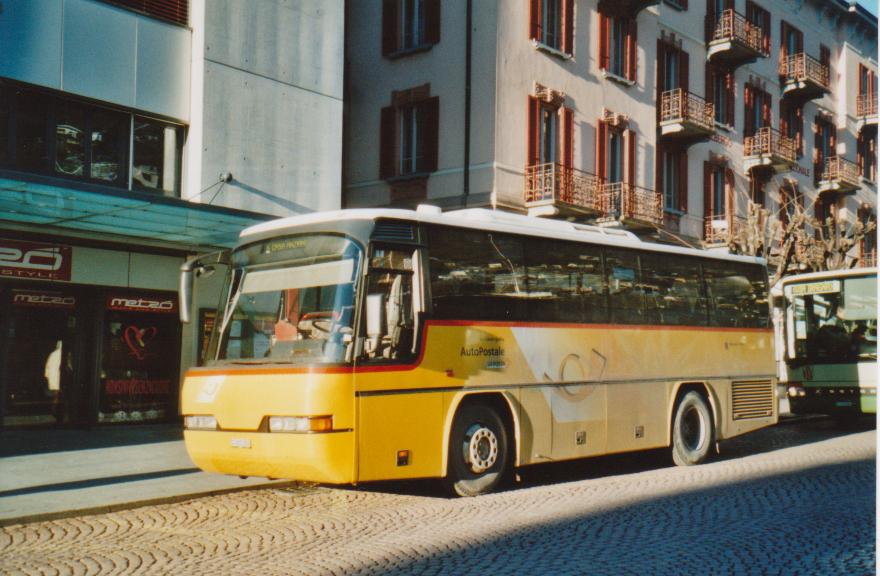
[{"x": 794, "y": 499}]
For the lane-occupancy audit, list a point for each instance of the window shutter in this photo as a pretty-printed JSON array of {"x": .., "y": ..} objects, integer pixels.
[
  {"x": 860, "y": 151},
  {"x": 568, "y": 27},
  {"x": 783, "y": 118},
  {"x": 631, "y": 157},
  {"x": 730, "y": 84},
  {"x": 711, "y": 20},
  {"x": 535, "y": 20},
  {"x": 429, "y": 115},
  {"x": 766, "y": 111},
  {"x": 799, "y": 113},
  {"x": 604, "y": 40},
  {"x": 862, "y": 75},
  {"x": 602, "y": 150},
  {"x": 632, "y": 50},
  {"x": 567, "y": 137},
  {"x": 432, "y": 21},
  {"x": 387, "y": 143},
  {"x": 766, "y": 26},
  {"x": 729, "y": 195},
  {"x": 749, "y": 110},
  {"x": 534, "y": 122},
  {"x": 707, "y": 189},
  {"x": 390, "y": 33},
  {"x": 783, "y": 41},
  {"x": 684, "y": 70},
  {"x": 683, "y": 181},
  {"x": 711, "y": 74},
  {"x": 659, "y": 164}
]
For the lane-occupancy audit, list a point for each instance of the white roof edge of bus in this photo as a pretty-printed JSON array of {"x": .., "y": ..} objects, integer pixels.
[
  {"x": 495, "y": 220},
  {"x": 826, "y": 274}
]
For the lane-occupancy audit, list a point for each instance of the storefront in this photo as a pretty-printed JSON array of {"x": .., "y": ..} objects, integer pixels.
[{"x": 74, "y": 351}]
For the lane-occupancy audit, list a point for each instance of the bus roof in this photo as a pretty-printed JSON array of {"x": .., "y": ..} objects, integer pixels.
[
  {"x": 810, "y": 276},
  {"x": 490, "y": 220}
]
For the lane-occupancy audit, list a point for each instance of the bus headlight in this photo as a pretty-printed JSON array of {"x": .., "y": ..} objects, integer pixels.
[
  {"x": 200, "y": 422},
  {"x": 300, "y": 423},
  {"x": 795, "y": 390}
]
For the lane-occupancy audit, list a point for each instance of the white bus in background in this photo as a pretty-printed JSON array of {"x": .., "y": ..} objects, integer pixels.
[{"x": 826, "y": 332}]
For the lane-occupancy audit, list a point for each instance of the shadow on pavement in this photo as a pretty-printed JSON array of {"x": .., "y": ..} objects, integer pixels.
[
  {"x": 79, "y": 484},
  {"x": 23, "y": 441}
]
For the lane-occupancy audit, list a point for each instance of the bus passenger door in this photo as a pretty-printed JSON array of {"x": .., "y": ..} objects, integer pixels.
[{"x": 397, "y": 411}]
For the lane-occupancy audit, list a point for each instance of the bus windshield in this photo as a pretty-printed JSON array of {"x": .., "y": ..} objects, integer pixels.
[
  {"x": 833, "y": 320},
  {"x": 291, "y": 301}
]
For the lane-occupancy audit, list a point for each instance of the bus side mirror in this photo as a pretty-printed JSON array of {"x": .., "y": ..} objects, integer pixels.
[{"x": 186, "y": 290}]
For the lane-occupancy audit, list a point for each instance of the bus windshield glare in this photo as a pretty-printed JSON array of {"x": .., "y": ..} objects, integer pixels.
[
  {"x": 833, "y": 320},
  {"x": 291, "y": 301}
]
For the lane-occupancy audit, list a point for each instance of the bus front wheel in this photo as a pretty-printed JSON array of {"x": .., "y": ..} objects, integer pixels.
[
  {"x": 479, "y": 457},
  {"x": 692, "y": 430}
]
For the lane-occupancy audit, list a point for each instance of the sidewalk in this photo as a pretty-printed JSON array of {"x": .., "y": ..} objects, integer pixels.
[{"x": 53, "y": 473}]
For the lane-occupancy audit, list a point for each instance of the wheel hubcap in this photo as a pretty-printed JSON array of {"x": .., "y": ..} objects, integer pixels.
[
  {"x": 693, "y": 429},
  {"x": 480, "y": 448}
]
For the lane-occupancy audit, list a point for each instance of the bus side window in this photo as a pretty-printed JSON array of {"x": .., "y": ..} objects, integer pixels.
[
  {"x": 391, "y": 280},
  {"x": 737, "y": 294},
  {"x": 626, "y": 295}
]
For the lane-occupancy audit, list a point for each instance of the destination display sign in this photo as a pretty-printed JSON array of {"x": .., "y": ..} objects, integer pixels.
[{"x": 824, "y": 287}]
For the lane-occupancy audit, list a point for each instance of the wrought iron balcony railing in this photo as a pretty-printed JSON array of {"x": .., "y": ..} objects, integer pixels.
[
  {"x": 632, "y": 204},
  {"x": 868, "y": 260},
  {"x": 841, "y": 174},
  {"x": 769, "y": 142},
  {"x": 552, "y": 183},
  {"x": 803, "y": 68},
  {"x": 731, "y": 26},
  {"x": 866, "y": 105},
  {"x": 679, "y": 105},
  {"x": 721, "y": 229}
]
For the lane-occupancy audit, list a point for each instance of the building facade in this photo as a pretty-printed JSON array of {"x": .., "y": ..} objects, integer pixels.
[
  {"x": 669, "y": 118},
  {"x": 134, "y": 134}
]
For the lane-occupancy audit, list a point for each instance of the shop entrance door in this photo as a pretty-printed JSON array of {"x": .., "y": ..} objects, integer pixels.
[{"x": 39, "y": 342}]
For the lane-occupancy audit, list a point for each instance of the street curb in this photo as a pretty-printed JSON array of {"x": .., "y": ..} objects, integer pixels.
[{"x": 91, "y": 511}]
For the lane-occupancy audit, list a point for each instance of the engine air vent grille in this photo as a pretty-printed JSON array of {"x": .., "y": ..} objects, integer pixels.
[
  {"x": 752, "y": 399},
  {"x": 394, "y": 231}
]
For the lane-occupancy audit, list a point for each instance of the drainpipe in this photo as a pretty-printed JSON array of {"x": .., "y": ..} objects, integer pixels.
[{"x": 466, "y": 189}]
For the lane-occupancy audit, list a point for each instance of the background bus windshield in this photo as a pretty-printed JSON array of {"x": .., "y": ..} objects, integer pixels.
[
  {"x": 291, "y": 301},
  {"x": 834, "y": 320}
]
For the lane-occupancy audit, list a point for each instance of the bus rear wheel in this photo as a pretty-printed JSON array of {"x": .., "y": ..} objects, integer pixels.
[
  {"x": 479, "y": 457},
  {"x": 692, "y": 430}
]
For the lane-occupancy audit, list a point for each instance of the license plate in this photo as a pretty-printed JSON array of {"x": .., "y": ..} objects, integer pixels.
[{"x": 240, "y": 443}]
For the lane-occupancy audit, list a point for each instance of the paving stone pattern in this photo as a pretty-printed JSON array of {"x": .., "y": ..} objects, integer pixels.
[{"x": 795, "y": 499}]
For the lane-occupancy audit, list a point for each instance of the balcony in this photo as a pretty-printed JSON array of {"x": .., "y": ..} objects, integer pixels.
[
  {"x": 685, "y": 117},
  {"x": 625, "y": 8},
  {"x": 630, "y": 205},
  {"x": 868, "y": 260},
  {"x": 733, "y": 40},
  {"x": 840, "y": 176},
  {"x": 866, "y": 108},
  {"x": 769, "y": 149},
  {"x": 554, "y": 190},
  {"x": 721, "y": 230},
  {"x": 804, "y": 77}
]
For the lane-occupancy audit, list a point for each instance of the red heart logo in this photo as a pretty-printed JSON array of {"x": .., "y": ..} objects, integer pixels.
[{"x": 136, "y": 339}]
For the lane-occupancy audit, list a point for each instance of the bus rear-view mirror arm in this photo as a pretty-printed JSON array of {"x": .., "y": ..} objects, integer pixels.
[{"x": 197, "y": 267}]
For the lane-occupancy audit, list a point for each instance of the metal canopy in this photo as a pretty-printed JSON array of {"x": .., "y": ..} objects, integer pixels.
[{"x": 139, "y": 215}]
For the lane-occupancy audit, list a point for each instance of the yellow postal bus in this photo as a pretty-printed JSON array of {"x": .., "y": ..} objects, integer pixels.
[{"x": 365, "y": 345}]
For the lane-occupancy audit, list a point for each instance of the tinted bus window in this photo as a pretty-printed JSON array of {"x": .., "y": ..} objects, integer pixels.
[
  {"x": 737, "y": 294},
  {"x": 674, "y": 290},
  {"x": 477, "y": 275},
  {"x": 565, "y": 280},
  {"x": 626, "y": 296}
]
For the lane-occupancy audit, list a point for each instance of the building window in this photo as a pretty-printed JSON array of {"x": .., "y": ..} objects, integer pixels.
[
  {"x": 791, "y": 200},
  {"x": 720, "y": 87},
  {"x": 409, "y": 134},
  {"x": 60, "y": 136},
  {"x": 757, "y": 16},
  {"x": 551, "y": 130},
  {"x": 825, "y": 146},
  {"x": 176, "y": 11},
  {"x": 409, "y": 25},
  {"x": 791, "y": 42},
  {"x": 791, "y": 123},
  {"x": 718, "y": 185},
  {"x": 867, "y": 153},
  {"x": 673, "y": 180},
  {"x": 551, "y": 23},
  {"x": 618, "y": 48},
  {"x": 758, "y": 106}
]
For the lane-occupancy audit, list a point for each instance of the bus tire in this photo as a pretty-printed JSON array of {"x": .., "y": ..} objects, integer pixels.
[
  {"x": 692, "y": 430},
  {"x": 479, "y": 454}
]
